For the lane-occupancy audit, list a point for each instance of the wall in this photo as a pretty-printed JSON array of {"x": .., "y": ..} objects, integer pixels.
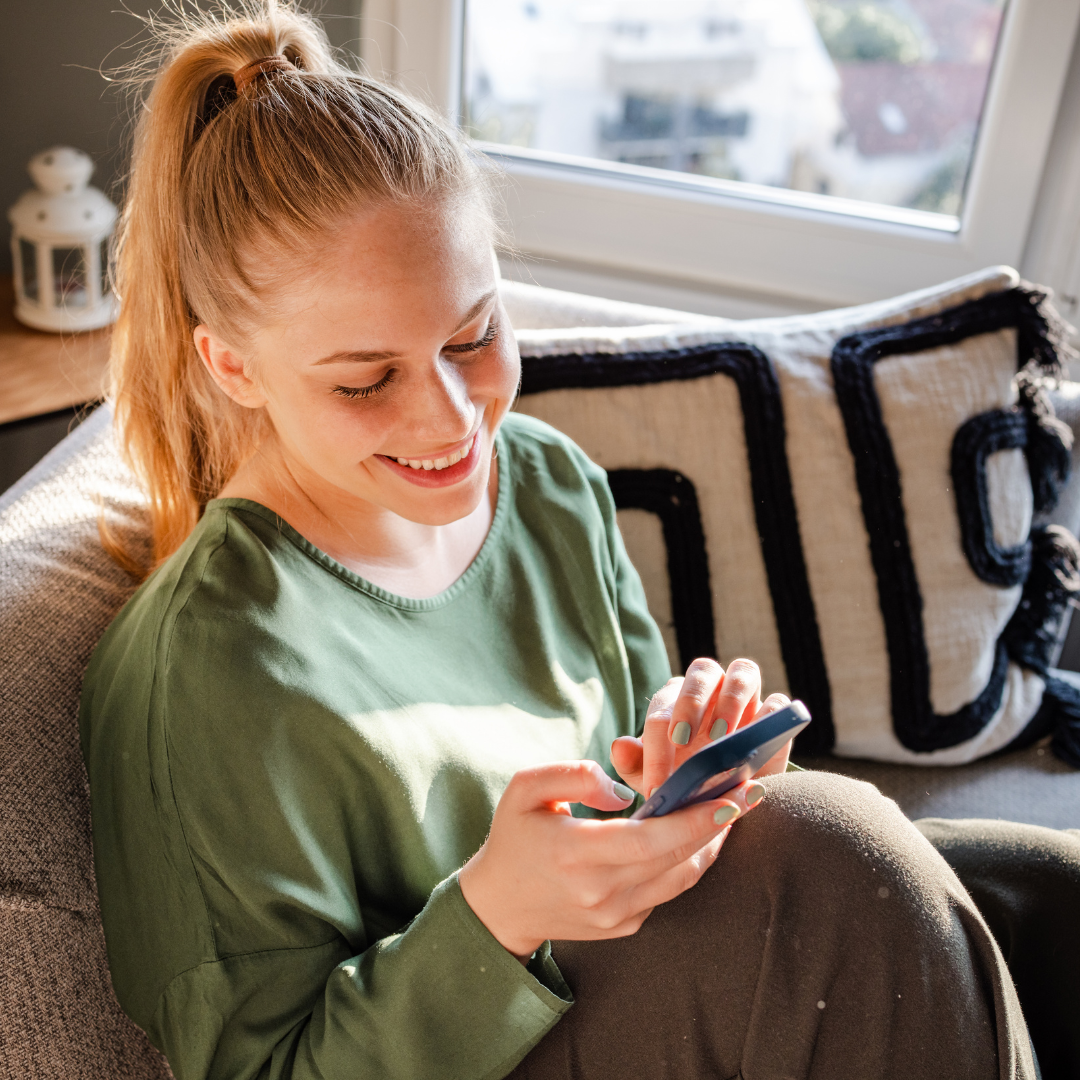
[{"x": 53, "y": 92}]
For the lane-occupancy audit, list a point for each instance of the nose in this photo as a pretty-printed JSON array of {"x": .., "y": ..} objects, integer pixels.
[{"x": 442, "y": 410}]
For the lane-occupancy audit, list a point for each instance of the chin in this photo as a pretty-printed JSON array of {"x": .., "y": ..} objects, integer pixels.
[{"x": 441, "y": 508}]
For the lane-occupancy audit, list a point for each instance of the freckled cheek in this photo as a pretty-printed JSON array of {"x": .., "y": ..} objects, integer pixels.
[
  {"x": 359, "y": 432},
  {"x": 498, "y": 378},
  {"x": 339, "y": 429}
]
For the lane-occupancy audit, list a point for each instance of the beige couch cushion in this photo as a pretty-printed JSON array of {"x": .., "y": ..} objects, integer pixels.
[{"x": 58, "y": 592}]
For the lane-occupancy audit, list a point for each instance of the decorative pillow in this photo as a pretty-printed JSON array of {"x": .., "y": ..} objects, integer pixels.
[{"x": 850, "y": 498}]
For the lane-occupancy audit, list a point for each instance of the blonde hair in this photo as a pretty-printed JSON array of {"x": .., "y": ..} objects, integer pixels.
[{"x": 225, "y": 173}]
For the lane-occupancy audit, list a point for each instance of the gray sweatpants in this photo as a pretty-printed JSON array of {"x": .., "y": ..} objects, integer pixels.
[{"x": 829, "y": 941}]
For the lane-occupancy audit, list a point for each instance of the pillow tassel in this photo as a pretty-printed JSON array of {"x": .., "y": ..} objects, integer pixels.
[
  {"x": 1048, "y": 443},
  {"x": 1063, "y": 699},
  {"x": 1032, "y": 632},
  {"x": 1043, "y": 335}
]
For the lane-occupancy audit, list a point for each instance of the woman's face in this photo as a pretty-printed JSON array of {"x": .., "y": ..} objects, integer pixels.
[{"x": 389, "y": 369}]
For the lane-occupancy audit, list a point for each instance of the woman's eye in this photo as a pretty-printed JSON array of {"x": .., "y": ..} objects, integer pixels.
[
  {"x": 354, "y": 392},
  {"x": 475, "y": 346}
]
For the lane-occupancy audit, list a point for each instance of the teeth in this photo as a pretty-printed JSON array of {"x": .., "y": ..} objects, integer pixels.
[{"x": 437, "y": 464}]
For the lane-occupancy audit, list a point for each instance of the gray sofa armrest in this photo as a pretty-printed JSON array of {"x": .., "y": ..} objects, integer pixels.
[{"x": 58, "y": 592}]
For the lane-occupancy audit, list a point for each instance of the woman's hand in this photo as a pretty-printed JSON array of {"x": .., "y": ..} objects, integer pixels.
[
  {"x": 688, "y": 713},
  {"x": 543, "y": 874}
]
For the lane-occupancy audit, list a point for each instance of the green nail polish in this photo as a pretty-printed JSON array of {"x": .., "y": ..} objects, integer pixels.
[
  {"x": 624, "y": 792},
  {"x": 681, "y": 735},
  {"x": 754, "y": 794},
  {"x": 725, "y": 814},
  {"x": 718, "y": 729}
]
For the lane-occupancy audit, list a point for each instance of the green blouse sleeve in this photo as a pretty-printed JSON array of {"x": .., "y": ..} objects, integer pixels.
[
  {"x": 440, "y": 999},
  {"x": 310, "y": 972},
  {"x": 645, "y": 649}
]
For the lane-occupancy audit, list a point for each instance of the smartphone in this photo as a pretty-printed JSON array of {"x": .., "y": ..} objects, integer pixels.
[{"x": 725, "y": 762}]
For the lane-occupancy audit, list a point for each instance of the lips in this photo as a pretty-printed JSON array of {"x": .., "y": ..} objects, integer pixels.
[
  {"x": 430, "y": 472},
  {"x": 439, "y": 463}
]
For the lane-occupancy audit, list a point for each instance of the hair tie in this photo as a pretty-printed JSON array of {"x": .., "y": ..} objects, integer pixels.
[{"x": 249, "y": 72}]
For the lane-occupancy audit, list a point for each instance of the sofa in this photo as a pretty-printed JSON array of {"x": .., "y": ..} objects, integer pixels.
[{"x": 58, "y": 592}]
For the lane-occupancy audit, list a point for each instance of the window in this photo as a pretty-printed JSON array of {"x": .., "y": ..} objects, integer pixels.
[
  {"x": 828, "y": 151},
  {"x": 869, "y": 100}
]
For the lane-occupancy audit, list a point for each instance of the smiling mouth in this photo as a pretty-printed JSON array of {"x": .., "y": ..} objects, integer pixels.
[
  {"x": 438, "y": 471},
  {"x": 440, "y": 463}
]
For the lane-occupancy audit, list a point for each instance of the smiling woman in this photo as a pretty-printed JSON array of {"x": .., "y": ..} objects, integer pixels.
[
  {"x": 383, "y": 362},
  {"x": 353, "y": 744}
]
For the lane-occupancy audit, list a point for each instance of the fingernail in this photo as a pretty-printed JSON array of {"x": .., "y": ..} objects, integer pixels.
[
  {"x": 725, "y": 814},
  {"x": 681, "y": 735},
  {"x": 754, "y": 794},
  {"x": 654, "y": 791},
  {"x": 624, "y": 792},
  {"x": 718, "y": 729}
]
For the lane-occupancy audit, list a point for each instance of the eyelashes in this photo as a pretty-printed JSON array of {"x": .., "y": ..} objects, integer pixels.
[
  {"x": 476, "y": 346},
  {"x": 355, "y": 393}
]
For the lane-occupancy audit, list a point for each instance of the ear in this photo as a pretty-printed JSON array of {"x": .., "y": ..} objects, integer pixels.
[{"x": 227, "y": 369}]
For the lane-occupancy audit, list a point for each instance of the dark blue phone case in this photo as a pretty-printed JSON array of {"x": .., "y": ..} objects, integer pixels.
[{"x": 726, "y": 762}]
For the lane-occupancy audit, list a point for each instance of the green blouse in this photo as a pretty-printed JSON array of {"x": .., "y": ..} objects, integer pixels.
[{"x": 288, "y": 765}]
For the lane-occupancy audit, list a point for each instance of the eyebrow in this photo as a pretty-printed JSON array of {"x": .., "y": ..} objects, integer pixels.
[{"x": 362, "y": 356}]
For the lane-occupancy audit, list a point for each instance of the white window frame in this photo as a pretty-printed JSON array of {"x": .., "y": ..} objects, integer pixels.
[{"x": 813, "y": 249}]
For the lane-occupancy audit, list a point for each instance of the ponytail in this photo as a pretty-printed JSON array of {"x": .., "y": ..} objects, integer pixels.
[{"x": 253, "y": 141}]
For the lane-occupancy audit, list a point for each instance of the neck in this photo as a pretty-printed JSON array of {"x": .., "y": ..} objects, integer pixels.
[{"x": 405, "y": 557}]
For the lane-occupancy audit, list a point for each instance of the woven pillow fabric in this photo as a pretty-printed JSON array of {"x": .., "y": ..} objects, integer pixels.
[{"x": 852, "y": 499}]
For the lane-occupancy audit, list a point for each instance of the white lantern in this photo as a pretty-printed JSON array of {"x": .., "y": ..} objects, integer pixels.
[{"x": 60, "y": 246}]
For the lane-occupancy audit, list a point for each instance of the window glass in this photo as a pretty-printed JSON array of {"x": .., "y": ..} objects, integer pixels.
[
  {"x": 28, "y": 265},
  {"x": 69, "y": 277},
  {"x": 875, "y": 100}
]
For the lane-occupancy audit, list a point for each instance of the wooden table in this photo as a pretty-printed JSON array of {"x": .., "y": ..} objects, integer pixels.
[{"x": 42, "y": 373}]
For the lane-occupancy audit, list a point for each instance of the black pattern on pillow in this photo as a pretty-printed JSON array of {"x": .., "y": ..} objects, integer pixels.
[
  {"x": 672, "y": 498},
  {"x": 774, "y": 506},
  {"x": 915, "y": 722}
]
